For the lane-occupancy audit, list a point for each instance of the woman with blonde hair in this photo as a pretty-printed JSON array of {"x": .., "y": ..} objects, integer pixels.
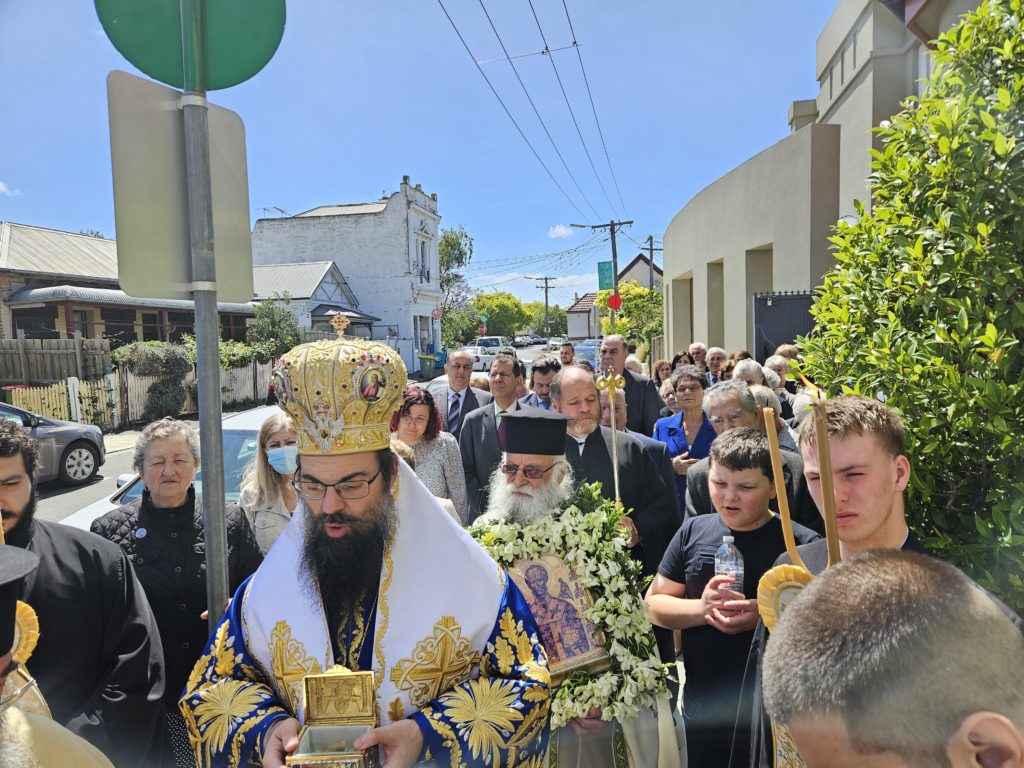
[{"x": 267, "y": 496}]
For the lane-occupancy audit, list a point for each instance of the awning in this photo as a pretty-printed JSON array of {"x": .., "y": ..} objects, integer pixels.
[
  {"x": 81, "y": 295},
  {"x": 354, "y": 315}
]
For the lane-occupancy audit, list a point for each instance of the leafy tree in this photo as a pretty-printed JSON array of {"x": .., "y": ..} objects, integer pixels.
[
  {"x": 274, "y": 328},
  {"x": 505, "y": 313},
  {"x": 925, "y": 305},
  {"x": 455, "y": 249},
  {"x": 558, "y": 322},
  {"x": 91, "y": 233},
  {"x": 641, "y": 315}
]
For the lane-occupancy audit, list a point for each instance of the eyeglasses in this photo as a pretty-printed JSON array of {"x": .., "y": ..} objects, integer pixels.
[
  {"x": 530, "y": 473},
  {"x": 349, "y": 489},
  {"x": 689, "y": 388},
  {"x": 17, "y": 693}
]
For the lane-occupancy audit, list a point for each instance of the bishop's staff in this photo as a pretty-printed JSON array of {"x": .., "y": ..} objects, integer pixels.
[{"x": 610, "y": 382}]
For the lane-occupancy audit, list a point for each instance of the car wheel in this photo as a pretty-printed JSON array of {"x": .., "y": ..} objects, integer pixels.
[{"x": 79, "y": 464}]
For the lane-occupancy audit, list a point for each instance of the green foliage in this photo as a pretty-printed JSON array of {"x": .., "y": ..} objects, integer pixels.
[
  {"x": 154, "y": 358},
  {"x": 641, "y": 315},
  {"x": 273, "y": 328},
  {"x": 505, "y": 313},
  {"x": 925, "y": 304},
  {"x": 164, "y": 398},
  {"x": 558, "y": 320},
  {"x": 458, "y": 320},
  {"x": 458, "y": 326},
  {"x": 234, "y": 354}
]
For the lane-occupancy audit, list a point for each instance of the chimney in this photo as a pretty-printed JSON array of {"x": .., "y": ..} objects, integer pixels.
[
  {"x": 405, "y": 180},
  {"x": 575, "y": 297},
  {"x": 801, "y": 113}
]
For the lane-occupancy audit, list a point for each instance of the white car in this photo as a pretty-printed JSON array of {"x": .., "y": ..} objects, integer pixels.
[
  {"x": 482, "y": 357},
  {"x": 239, "y": 431}
]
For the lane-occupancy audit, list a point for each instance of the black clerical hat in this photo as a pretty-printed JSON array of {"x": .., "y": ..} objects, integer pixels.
[
  {"x": 15, "y": 565},
  {"x": 535, "y": 431}
]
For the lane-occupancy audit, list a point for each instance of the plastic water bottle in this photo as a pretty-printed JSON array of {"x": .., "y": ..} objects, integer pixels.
[{"x": 729, "y": 562}]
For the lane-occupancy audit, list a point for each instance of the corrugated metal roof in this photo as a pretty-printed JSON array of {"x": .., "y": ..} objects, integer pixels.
[
  {"x": 584, "y": 303},
  {"x": 298, "y": 280},
  {"x": 344, "y": 210},
  {"x": 52, "y": 252},
  {"x": 77, "y": 293}
]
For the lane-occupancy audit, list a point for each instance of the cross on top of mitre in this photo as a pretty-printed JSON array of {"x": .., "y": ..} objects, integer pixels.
[{"x": 340, "y": 323}]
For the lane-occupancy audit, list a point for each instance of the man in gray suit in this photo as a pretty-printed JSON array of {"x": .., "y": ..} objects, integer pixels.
[
  {"x": 542, "y": 371},
  {"x": 478, "y": 440},
  {"x": 643, "y": 403},
  {"x": 728, "y": 405},
  {"x": 460, "y": 398}
]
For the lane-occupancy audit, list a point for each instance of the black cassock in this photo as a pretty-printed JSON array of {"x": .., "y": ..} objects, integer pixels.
[
  {"x": 642, "y": 488},
  {"x": 99, "y": 662}
]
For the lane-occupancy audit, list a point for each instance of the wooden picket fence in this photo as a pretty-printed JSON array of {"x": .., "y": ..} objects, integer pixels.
[{"x": 120, "y": 397}]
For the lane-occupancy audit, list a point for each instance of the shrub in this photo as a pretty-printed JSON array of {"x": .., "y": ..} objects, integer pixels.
[
  {"x": 164, "y": 398},
  {"x": 925, "y": 305}
]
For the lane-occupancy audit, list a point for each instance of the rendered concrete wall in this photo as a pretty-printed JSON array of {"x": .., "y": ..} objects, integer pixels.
[{"x": 782, "y": 201}]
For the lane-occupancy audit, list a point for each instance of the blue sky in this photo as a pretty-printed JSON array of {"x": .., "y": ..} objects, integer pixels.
[{"x": 359, "y": 94}]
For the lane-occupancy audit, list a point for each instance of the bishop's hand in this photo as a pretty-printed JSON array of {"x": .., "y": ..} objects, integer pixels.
[
  {"x": 282, "y": 740},
  {"x": 400, "y": 743}
]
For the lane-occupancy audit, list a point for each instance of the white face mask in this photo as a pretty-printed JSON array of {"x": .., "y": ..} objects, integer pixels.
[{"x": 284, "y": 459}]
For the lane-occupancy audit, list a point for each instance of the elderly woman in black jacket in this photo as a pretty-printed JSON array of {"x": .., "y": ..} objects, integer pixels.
[{"x": 162, "y": 534}]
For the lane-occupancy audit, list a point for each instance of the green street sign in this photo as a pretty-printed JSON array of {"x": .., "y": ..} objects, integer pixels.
[
  {"x": 484, "y": 317},
  {"x": 241, "y": 37},
  {"x": 605, "y": 276}
]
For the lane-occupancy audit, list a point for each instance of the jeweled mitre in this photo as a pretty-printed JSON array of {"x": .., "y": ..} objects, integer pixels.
[{"x": 341, "y": 394}]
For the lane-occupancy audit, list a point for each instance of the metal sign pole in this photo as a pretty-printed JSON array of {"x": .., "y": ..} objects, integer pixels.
[{"x": 204, "y": 293}]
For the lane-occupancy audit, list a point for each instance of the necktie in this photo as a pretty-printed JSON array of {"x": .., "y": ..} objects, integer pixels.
[
  {"x": 454, "y": 412},
  {"x": 497, "y": 417}
]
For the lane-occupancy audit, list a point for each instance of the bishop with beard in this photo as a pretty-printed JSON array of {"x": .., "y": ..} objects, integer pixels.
[{"x": 370, "y": 574}]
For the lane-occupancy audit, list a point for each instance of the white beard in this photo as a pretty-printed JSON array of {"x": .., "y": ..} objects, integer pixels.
[{"x": 505, "y": 505}]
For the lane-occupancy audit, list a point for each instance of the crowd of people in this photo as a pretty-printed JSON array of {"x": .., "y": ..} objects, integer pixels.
[{"x": 349, "y": 546}]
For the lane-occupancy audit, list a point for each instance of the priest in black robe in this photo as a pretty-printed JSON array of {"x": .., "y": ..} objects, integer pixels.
[
  {"x": 99, "y": 662},
  {"x": 655, "y": 514}
]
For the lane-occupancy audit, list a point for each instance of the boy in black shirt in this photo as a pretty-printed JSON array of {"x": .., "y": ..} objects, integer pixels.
[{"x": 718, "y": 623}]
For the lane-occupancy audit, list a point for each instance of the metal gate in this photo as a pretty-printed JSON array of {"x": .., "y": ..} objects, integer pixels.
[{"x": 779, "y": 317}]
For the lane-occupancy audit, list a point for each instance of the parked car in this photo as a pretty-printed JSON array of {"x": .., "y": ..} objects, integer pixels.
[
  {"x": 522, "y": 341},
  {"x": 556, "y": 341},
  {"x": 68, "y": 451},
  {"x": 481, "y": 356},
  {"x": 492, "y": 342},
  {"x": 240, "y": 433},
  {"x": 588, "y": 350}
]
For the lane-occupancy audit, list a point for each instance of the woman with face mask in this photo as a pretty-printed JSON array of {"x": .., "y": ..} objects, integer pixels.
[{"x": 267, "y": 495}]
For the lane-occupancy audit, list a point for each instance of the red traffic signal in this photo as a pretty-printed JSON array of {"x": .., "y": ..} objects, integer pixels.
[{"x": 615, "y": 302}]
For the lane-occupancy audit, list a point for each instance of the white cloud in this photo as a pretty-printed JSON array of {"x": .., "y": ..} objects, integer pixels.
[
  {"x": 7, "y": 191},
  {"x": 559, "y": 232}
]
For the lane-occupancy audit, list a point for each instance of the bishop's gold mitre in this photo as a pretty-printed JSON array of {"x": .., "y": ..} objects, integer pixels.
[{"x": 341, "y": 394}]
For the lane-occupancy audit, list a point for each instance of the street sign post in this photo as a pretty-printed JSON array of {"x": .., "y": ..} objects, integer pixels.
[
  {"x": 605, "y": 276},
  {"x": 198, "y": 45}
]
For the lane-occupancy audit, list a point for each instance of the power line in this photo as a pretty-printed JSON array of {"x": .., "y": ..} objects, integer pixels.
[
  {"x": 535, "y": 110},
  {"x": 594, "y": 108},
  {"x": 572, "y": 114},
  {"x": 495, "y": 92}
]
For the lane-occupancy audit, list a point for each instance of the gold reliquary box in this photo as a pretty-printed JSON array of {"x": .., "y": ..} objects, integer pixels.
[{"x": 339, "y": 708}]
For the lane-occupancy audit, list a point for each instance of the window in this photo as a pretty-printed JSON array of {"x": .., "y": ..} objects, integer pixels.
[
  {"x": 36, "y": 322},
  {"x": 119, "y": 326},
  {"x": 81, "y": 319},
  {"x": 150, "y": 326}
]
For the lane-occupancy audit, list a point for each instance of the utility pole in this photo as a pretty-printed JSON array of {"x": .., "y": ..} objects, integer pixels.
[
  {"x": 611, "y": 225},
  {"x": 650, "y": 263},
  {"x": 546, "y": 287}
]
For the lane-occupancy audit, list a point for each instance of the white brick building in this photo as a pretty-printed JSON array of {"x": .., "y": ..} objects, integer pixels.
[{"x": 387, "y": 251}]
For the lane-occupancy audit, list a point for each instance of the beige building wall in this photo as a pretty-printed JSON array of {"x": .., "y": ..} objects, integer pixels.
[{"x": 763, "y": 226}]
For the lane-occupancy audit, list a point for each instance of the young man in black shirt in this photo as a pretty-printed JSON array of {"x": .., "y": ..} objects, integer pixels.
[{"x": 718, "y": 623}]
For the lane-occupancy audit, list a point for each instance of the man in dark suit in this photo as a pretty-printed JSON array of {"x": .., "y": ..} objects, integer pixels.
[
  {"x": 654, "y": 518},
  {"x": 728, "y": 405},
  {"x": 542, "y": 371},
  {"x": 478, "y": 441},
  {"x": 643, "y": 403},
  {"x": 656, "y": 449},
  {"x": 460, "y": 398}
]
